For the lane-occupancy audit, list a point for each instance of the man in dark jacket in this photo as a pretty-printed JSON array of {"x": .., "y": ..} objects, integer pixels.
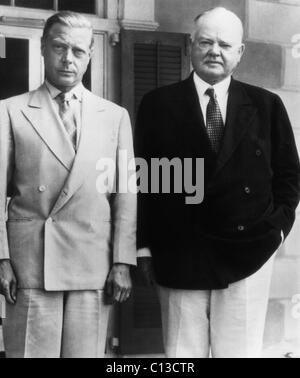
[{"x": 213, "y": 261}]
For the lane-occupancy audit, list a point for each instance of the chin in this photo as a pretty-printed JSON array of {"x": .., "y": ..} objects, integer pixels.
[
  {"x": 210, "y": 78},
  {"x": 217, "y": 72},
  {"x": 66, "y": 83}
]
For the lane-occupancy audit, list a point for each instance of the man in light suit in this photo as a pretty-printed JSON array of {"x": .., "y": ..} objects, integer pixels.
[
  {"x": 213, "y": 261},
  {"x": 65, "y": 244}
]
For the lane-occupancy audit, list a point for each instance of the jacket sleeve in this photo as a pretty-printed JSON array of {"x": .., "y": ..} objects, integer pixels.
[
  {"x": 124, "y": 202},
  {"x": 286, "y": 169},
  {"x": 6, "y": 167}
]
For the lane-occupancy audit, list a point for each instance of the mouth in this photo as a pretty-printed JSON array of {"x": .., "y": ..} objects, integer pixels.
[
  {"x": 211, "y": 62},
  {"x": 67, "y": 73}
]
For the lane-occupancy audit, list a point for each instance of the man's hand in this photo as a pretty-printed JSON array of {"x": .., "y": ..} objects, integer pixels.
[
  {"x": 145, "y": 268},
  {"x": 8, "y": 282},
  {"x": 119, "y": 283}
]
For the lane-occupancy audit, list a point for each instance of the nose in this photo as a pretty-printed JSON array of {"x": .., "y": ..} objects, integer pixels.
[
  {"x": 215, "y": 49},
  {"x": 68, "y": 57}
]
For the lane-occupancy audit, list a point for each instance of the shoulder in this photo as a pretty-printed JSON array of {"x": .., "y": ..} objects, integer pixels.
[
  {"x": 166, "y": 97},
  {"x": 113, "y": 114},
  {"x": 257, "y": 94},
  {"x": 267, "y": 103},
  {"x": 104, "y": 104},
  {"x": 17, "y": 101},
  {"x": 168, "y": 90}
]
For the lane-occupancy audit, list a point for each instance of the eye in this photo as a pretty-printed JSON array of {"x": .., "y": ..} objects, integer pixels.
[
  {"x": 204, "y": 43},
  {"x": 58, "y": 48},
  {"x": 225, "y": 46},
  {"x": 79, "y": 53}
]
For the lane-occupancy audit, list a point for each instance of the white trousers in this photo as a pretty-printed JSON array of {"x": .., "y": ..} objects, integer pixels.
[
  {"x": 225, "y": 323},
  {"x": 56, "y": 324}
]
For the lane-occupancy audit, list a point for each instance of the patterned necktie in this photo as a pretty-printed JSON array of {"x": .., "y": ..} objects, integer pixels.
[
  {"x": 67, "y": 115},
  {"x": 215, "y": 125}
]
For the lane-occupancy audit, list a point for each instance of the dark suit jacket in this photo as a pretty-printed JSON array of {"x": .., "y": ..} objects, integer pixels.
[{"x": 251, "y": 187}]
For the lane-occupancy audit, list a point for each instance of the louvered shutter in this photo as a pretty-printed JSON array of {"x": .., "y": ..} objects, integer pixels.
[
  {"x": 154, "y": 66},
  {"x": 149, "y": 60}
]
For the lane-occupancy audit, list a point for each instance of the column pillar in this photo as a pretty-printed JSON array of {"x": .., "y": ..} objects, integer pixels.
[{"x": 138, "y": 15}]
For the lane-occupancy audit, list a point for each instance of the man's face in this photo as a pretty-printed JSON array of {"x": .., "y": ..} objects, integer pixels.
[
  {"x": 66, "y": 52},
  {"x": 217, "y": 48}
]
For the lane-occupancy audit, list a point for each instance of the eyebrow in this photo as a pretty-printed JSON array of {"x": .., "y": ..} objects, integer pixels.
[
  {"x": 67, "y": 44},
  {"x": 225, "y": 42},
  {"x": 211, "y": 40},
  {"x": 203, "y": 39}
]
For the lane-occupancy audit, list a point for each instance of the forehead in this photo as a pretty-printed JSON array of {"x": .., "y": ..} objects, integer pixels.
[
  {"x": 70, "y": 35},
  {"x": 226, "y": 28}
]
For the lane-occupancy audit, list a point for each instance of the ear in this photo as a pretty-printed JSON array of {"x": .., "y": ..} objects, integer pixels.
[
  {"x": 191, "y": 42},
  {"x": 92, "y": 50},
  {"x": 242, "y": 49}
]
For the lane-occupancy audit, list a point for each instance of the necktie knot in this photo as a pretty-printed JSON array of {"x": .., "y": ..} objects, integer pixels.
[
  {"x": 64, "y": 98},
  {"x": 211, "y": 93}
]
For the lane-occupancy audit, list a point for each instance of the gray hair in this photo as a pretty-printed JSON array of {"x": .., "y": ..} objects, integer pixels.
[
  {"x": 68, "y": 18},
  {"x": 219, "y": 9}
]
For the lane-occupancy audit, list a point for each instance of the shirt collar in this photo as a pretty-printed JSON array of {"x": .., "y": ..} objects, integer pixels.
[
  {"x": 221, "y": 88},
  {"x": 77, "y": 91}
]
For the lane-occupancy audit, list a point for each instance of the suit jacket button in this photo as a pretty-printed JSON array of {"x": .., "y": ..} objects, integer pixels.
[
  {"x": 247, "y": 190},
  {"x": 258, "y": 153},
  {"x": 42, "y": 189},
  {"x": 241, "y": 228}
]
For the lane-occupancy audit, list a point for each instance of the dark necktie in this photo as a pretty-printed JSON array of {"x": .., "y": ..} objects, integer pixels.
[
  {"x": 67, "y": 115},
  {"x": 214, "y": 121}
]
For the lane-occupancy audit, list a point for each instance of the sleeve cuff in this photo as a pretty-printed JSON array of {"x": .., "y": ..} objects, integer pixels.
[{"x": 144, "y": 252}]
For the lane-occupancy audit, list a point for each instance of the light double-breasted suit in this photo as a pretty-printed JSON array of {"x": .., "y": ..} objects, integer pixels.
[{"x": 61, "y": 234}]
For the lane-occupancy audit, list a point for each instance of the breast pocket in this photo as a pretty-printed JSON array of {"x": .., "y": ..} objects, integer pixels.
[{"x": 19, "y": 220}]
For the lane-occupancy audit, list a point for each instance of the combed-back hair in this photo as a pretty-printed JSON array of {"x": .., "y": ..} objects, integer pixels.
[{"x": 68, "y": 18}]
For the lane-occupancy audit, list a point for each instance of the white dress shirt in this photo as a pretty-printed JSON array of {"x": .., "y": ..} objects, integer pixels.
[
  {"x": 75, "y": 104},
  {"x": 221, "y": 90}
]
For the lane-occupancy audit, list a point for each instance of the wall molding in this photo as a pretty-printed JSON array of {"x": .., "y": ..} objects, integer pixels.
[{"x": 139, "y": 25}]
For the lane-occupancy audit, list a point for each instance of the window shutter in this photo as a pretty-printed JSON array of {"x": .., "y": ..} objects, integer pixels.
[{"x": 149, "y": 60}]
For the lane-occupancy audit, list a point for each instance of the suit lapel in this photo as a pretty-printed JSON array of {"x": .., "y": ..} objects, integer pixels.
[
  {"x": 240, "y": 113},
  {"x": 43, "y": 118},
  {"x": 193, "y": 130},
  {"x": 195, "y": 134},
  {"x": 92, "y": 110}
]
